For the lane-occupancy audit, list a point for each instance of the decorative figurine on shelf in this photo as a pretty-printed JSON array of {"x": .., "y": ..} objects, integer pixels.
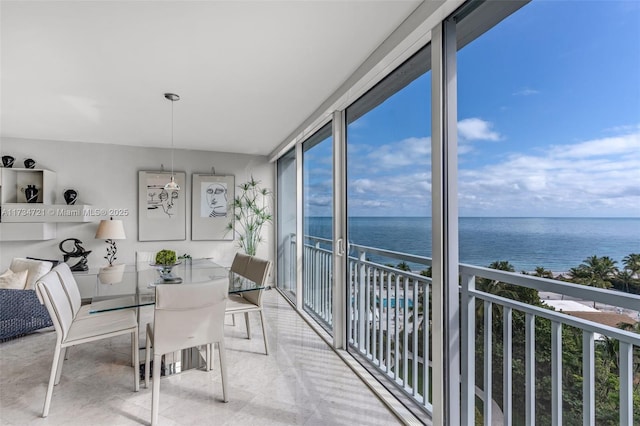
[
  {"x": 70, "y": 196},
  {"x": 31, "y": 193},
  {"x": 78, "y": 251},
  {"x": 30, "y": 163},
  {"x": 7, "y": 161}
]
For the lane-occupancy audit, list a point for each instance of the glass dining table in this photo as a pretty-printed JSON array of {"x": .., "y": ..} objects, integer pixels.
[
  {"x": 130, "y": 286},
  {"x": 133, "y": 287}
]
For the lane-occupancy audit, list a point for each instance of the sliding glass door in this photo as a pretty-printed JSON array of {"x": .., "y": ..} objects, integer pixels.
[
  {"x": 317, "y": 166},
  {"x": 287, "y": 224},
  {"x": 389, "y": 228}
]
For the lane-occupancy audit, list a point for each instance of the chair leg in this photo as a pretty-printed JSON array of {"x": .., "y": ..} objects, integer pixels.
[
  {"x": 233, "y": 319},
  {"x": 210, "y": 349},
  {"x": 63, "y": 356},
  {"x": 246, "y": 320},
  {"x": 133, "y": 347},
  {"x": 155, "y": 396},
  {"x": 147, "y": 358},
  {"x": 57, "y": 354},
  {"x": 136, "y": 360},
  {"x": 264, "y": 333},
  {"x": 67, "y": 351},
  {"x": 223, "y": 370}
]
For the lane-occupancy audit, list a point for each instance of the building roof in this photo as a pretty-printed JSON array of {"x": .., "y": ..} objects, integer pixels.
[{"x": 611, "y": 319}]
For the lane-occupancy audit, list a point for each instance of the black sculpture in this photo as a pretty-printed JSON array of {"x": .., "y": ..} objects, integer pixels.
[
  {"x": 7, "y": 161},
  {"x": 70, "y": 196},
  {"x": 31, "y": 193},
  {"x": 78, "y": 251}
]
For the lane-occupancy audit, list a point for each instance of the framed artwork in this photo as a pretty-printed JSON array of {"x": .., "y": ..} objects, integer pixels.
[
  {"x": 212, "y": 208},
  {"x": 161, "y": 213}
]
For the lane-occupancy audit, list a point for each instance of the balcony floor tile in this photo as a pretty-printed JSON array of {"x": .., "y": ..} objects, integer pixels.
[{"x": 301, "y": 382}]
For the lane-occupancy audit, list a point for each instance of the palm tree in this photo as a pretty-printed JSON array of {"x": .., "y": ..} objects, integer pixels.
[
  {"x": 612, "y": 346},
  {"x": 632, "y": 264},
  {"x": 427, "y": 272},
  {"x": 595, "y": 272},
  {"x": 543, "y": 273},
  {"x": 630, "y": 327},
  {"x": 496, "y": 287},
  {"x": 626, "y": 277},
  {"x": 403, "y": 266}
]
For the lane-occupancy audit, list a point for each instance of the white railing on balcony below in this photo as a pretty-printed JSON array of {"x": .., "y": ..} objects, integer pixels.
[
  {"x": 590, "y": 332},
  {"x": 389, "y": 324},
  {"x": 318, "y": 280},
  {"x": 389, "y": 319}
]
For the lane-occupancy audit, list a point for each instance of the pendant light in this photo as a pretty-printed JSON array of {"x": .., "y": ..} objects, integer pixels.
[{"x": 172, "y": 185}]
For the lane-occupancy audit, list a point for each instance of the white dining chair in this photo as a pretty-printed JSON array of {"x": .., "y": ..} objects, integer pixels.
[
  {"x": 186, "y": 316},
  {"x": 256, "y": 270},
  {"x": 73, "y": 293},
  {"x": 71, "y": 331},
  {"x": 144, "y": 259},
  {"x": 238, "y": 266},
  {"x": 240, "y": 262}
]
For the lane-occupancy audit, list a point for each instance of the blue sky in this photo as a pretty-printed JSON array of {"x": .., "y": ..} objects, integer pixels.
[{"x": 548, "y": 124}]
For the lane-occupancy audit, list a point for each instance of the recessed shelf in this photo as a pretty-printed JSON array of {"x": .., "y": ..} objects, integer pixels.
[
  {"x": 22, "y": 221},
  {"x": 13, "y": 183}
]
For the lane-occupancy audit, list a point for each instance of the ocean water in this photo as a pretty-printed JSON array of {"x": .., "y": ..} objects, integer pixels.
[{"x": 557, "y": 244}]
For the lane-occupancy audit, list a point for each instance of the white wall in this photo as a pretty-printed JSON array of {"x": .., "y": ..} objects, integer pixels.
[{"x": 106, "y": 176}]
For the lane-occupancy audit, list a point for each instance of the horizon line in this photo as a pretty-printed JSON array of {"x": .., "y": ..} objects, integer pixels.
[{"x": 498, "y": 217}]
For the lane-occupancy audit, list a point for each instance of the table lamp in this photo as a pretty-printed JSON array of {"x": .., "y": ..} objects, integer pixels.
[{"x": 110, "y": 230}]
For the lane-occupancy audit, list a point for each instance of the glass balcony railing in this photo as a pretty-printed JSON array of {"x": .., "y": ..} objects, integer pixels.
[{"x": 522, "y": 361}]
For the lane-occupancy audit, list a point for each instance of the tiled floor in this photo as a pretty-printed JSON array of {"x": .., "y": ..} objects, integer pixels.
[{"x": 301, "y": 382}]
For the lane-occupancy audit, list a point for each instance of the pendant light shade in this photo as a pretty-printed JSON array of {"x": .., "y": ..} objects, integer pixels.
[{"x": 172, "y": 185}]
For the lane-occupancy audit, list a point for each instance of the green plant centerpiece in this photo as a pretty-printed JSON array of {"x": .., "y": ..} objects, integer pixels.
[
  {"x": 165, "y": 261},
  {"x": 166, "y": 257},
  {"x": 251, "y": 211}
]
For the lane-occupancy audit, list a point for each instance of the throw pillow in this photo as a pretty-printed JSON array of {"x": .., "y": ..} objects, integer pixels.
[
  {"x": 13, "y": 280},
  {"x": 35, "y": 268}
]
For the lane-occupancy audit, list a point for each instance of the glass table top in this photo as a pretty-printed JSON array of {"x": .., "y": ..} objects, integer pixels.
[{"x": 128, "y": 286}]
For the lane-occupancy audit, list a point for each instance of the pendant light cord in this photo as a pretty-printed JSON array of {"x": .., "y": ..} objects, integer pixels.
[
  {"x": 172, "y": 185},
  {"x": 172, "y": 149}
]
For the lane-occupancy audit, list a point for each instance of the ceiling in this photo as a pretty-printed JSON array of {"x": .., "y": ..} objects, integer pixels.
[{"x": 248, "y": 72}]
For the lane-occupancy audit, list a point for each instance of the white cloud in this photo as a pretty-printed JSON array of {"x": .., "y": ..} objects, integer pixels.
[
  {"x": 626, "y": 128},
  {"x": 599, "y": 147},
  {"x": 596, "y": 177},
  {"x": 464, "y": 149},
  {"x": 526, "y": 92},
  {"x": 396, "y": 195},
  {"x": 319, "y": 201},
  {"x": 362, "y": 185},
  {"x": 600, "y": 177},
  {"x": 407, "y": 152},
  {"x": 471, "y": 129}
]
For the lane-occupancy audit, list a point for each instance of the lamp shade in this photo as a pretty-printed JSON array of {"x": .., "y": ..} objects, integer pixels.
[{"x": 110, "y": 230}]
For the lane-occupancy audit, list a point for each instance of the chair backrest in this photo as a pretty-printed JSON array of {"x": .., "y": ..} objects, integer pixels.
[
  {"x": 189, "y": 315},
  {"x": 70, "y": 286},
  {"x": 144, "y": 258},
  {"x": 52, "y": 294},
  {"x": 257, "y": 270},
  {"x": 240, "y": 262}
]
